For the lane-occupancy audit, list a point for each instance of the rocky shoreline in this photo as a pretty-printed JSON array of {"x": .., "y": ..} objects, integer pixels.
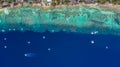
[{"x": 110, "y": 7}]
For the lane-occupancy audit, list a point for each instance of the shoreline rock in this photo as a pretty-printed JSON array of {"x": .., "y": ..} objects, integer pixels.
[{"x": 109, "y": 7}]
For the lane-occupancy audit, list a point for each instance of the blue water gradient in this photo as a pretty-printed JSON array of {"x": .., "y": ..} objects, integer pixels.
[{"x": 67, "y": 50}]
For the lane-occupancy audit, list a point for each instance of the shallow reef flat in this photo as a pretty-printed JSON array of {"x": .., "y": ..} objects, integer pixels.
[{"x": 80, "y": 19}]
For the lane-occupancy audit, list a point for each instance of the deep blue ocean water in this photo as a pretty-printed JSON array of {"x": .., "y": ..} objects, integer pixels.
[{"x": 58, "y": 50}]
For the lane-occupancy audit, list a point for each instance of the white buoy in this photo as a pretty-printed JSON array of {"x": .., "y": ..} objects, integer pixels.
[{"x": 92, "y": 41}]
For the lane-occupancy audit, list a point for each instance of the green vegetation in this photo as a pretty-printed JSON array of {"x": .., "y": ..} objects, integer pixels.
[
  {"x": 116, "y": 1},
  {"x": 67, "y": 2},
  {"x": 110, "y": 1},
  {"x": 53, "y": 3},
  {"x": 9, "y": 1},
  {"x": 57, "y": 2},
  {"x": 1, "y": 1},
  {"x": 31, "y": 3}
]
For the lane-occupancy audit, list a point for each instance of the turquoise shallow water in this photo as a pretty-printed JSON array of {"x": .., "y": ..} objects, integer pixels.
[{"x": 79, "y": 19}]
